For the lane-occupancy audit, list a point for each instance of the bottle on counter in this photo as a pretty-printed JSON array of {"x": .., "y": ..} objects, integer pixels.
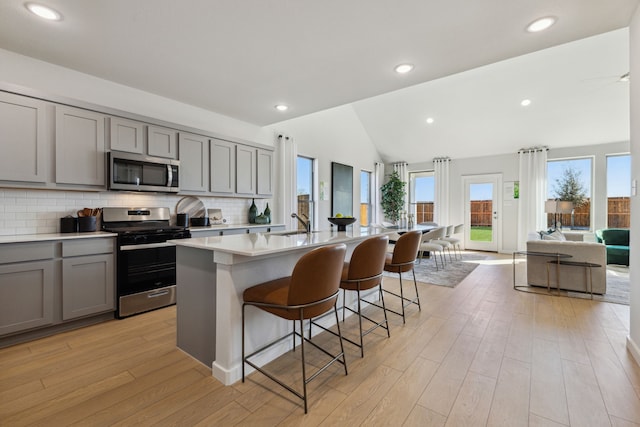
[
  {"x": 253, "y": 212},
  {"x": 267, "y": 213}
]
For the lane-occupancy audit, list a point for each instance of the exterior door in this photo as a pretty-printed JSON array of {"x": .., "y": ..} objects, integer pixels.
[{"x": 482, "y": 212}]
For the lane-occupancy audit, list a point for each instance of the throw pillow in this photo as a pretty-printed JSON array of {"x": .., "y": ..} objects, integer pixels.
[{"x": 554, "y": 235}]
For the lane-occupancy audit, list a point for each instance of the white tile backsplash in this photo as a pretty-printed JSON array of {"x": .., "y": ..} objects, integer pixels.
[{"x": 39, "y": 211}]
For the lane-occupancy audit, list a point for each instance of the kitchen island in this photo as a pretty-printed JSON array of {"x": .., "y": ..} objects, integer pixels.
[{"x": 212, "y": 274}]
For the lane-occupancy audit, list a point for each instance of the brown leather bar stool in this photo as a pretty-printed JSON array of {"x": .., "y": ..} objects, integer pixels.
[
  {"x": 310, "y": 291},
  {"x": 402, "y": 260},
  {"x": 361, "y": 273}
]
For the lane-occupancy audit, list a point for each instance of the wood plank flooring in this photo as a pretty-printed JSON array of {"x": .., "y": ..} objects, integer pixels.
[{"x": 480, "y": 354}]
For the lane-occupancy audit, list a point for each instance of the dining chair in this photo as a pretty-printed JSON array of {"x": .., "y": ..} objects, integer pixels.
[
  {"x": 432, "y": 248},
  {"x": 442, "y": 233},
  {"x": 455, "y": 242},
  {"x": 310, "y": 291}
]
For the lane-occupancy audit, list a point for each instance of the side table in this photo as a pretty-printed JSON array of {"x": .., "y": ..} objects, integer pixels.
[
  {"x": 557, "y": 258},
  {"x": 586, "y": 265}
]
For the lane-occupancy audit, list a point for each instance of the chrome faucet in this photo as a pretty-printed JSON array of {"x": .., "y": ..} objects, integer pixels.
[{"x": 306, "y": 224}]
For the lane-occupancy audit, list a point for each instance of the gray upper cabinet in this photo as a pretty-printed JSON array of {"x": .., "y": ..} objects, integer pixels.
[
  {"x": 80, "y": 147},
  {"x": 194, "y": 162},
  {"x": 23, "y": 144},
  {"x": 223, "y": 167},
  {"x": 245, "y": 170},
  {"x": 265, "y": 172},
  {"x": 126, "y": 135},
  {"x": 162, "y": 142}
]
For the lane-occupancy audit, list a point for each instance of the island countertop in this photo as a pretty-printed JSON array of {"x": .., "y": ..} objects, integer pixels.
[{"x": 260, "y": 244}]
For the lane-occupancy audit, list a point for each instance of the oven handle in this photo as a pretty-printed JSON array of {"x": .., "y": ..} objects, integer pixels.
[
  {"x": 146, "y": 246},
  {"x": 158, "y": 294}
]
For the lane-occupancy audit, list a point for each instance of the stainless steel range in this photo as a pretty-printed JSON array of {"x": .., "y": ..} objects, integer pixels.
[{"x": 146, "y": 263}]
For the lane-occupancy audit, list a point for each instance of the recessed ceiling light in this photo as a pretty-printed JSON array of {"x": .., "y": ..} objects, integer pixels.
[
  {"x": 525, "y": 102},
  {"x": 541, "y": 24},
  {"x": 281, "y": 107},
  {"x": 430, "y": 120},
  {"x": 403, "y": 68},
  {"x": 43, "y": 11}
]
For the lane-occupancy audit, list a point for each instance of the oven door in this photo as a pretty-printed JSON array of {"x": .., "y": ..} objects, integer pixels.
[{"x": 146, "y": 277}]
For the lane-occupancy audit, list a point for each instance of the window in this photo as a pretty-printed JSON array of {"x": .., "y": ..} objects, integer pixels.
[
  {"x": 618, "y": 191},
  {"x": 570, "y": 180},
  {"x": 365, "y": 198},
  {"x": 421, "y": 195},
  {"x": 304, "y": 185}
]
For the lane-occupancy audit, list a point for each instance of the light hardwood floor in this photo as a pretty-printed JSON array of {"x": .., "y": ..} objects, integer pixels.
[{"x": 478, "y": 354}]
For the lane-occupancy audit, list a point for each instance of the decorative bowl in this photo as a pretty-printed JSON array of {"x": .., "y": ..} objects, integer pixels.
[{"x": 342, "y": 222}]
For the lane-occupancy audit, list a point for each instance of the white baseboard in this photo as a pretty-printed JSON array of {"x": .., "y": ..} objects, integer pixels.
[{"x": 634, "y": 349}]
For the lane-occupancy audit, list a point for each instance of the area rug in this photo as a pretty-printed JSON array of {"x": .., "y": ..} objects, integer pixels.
[
  {"x": 452, "y": 273},
  {"x": 618, "y": 287}
]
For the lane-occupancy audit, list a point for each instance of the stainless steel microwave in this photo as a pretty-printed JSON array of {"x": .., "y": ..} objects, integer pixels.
[{"x": 137, "y": 172}]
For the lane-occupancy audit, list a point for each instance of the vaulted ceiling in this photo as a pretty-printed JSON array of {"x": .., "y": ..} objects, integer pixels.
[{"x": 474, "y": 62}]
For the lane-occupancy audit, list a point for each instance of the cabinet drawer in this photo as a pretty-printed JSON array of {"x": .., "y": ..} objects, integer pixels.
[
  {"x": 82, "y": 247},
  {"x": 32, "y": 251}
]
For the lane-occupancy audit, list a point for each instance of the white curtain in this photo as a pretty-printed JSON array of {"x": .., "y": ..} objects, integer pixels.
[
  {"x": 533, "y": 187},
  {"x": 401, "y": 168},
  {"x": 286, "y": 178},
  {"x": 378, "y": 180},
  {"x": 441, "y": 205}
]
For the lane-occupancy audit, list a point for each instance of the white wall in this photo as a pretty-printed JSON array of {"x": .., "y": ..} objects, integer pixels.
[
  {"x": 507, "y": 165},
  {"x": 55, "y": 80},
  {"x": 333, "y": 135},
  {"x": 634, "y": 267},
  {"x": 38, "y": 211}
]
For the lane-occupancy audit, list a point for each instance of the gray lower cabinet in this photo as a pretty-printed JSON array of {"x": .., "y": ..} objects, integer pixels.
[
  {"x": 88, "y": 277},
  {"x": 26, "y": 295},
  {"x": 87, "y": 285},
  {"x": 27, "y": 285},
  {"x": 233, "y": 230},
  {"x": 51, "y": 282}
]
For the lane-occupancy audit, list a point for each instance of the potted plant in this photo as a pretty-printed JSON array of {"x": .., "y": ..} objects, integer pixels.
[{"x": 393, "y": 193}]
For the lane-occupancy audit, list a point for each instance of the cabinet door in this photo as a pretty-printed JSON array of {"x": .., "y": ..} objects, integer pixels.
[
  {"x": 80, "y": 153},
  {"x": 265, "y": 172},
  {"x": 26, "y": 296},
  {"x": 223, "y": 166},
  {"x": 194, "y": 162},
  {"x": 88, "y": 285},
  {"x": 22, "y": 139},
  {"x": 162, "y": 142},
  {"x": 245, "y": 170},
  {"x": 126, "y": 135}
]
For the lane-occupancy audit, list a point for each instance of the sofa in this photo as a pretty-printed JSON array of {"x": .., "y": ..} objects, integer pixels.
[
  {"x": 617, "y": 242},
  {"x": 572, "y": 278}
]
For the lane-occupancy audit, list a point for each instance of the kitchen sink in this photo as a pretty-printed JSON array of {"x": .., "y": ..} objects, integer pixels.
[{"x": 292, "y": 232}]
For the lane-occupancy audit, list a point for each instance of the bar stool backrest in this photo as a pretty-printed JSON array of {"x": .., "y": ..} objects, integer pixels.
[
  {"x": 316, "y": 276},
  {"x": 406, "y": 249},
  {"x": 367, "y": 260}
]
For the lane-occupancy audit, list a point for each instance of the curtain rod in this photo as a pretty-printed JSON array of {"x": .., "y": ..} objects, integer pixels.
[{"x": 533, "y": 149}]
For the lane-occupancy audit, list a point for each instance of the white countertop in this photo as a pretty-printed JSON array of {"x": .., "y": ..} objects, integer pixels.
[
  {"x": 22, "y": 238},
  {"x": 258, "y": 244}
]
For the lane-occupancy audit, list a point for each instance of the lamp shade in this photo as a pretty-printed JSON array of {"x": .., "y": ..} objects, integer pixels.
[
  {"x": 565, "y": 207},
  {"x": 550, "y": 206}
]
